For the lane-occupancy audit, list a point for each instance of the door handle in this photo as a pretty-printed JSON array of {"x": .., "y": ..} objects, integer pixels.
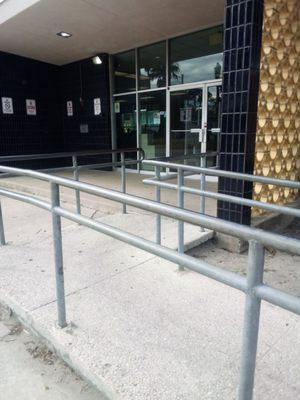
[
  {"x": 215, "y": 130},
  {"x": 202, "y": 134}
]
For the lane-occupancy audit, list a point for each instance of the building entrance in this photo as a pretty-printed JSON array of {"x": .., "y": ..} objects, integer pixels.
[{"x": 192, "y": 108}]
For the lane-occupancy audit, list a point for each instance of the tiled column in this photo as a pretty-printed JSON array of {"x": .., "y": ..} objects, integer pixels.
[{"x": 242, "y": 45}]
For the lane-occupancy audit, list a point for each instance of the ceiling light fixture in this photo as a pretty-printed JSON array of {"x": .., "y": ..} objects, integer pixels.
[
  {"x": 63, "y": 34},
  {"x": 2, "y": 1},
  {"x": 97, "y": 60}
]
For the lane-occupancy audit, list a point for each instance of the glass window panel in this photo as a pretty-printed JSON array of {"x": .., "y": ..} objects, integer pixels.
[
  {"x": 125, "y": 114},
  {"x": 152, "y": 66},
  {"x": 124, "y": 71},
  {"x": 153, "y": 124},
  {"x": 197, "y": 56}
]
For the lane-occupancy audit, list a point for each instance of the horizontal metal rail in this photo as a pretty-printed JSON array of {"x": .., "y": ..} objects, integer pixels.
[
  {"x": 240, "y": 231},
  {"x": 269, "y": 294},
  {"x": 26, "y": 199},
  {"x": 76, "y": 168},
  {"x": 195, "y": 156},
  {"x": 253, "y": 287},
  {"x": 226, "y": 174},
  {"x": 226, "y": 197},
  {"x": 84, "y": 153},
  {"x": 218, "y": 274},
  {"x": 80, "y": 167}
]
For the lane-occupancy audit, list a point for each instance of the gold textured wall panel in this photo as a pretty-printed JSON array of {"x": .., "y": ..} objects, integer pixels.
[{"x": 278, "y": 126}]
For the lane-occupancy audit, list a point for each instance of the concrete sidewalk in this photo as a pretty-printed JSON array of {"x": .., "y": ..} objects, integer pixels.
[
  {"x": 30, "y": 371},
  {"x": 139, "y": 329}
]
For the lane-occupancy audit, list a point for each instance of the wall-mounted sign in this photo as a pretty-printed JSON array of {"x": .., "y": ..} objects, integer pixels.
[
  {"x": 117, "y": 107},
  {"x": 186, "y": 114},
  {"x": 7, "y": 105},
  {"x": 97, "y": 106},
  {"x": 84, "y": 128},
  {"x": 30, "y": 107},
  {"x": 70, "y": 108}
]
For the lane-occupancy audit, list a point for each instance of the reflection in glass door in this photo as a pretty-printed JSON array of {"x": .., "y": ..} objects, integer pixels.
[
  {"x": 185, "y": 114},
  {"x": 125, "y": 112},
  {"x": 152, "y": 119}
]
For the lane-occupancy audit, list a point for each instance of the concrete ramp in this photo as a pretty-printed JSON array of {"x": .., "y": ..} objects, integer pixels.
[{"x": 138, "y": 328}]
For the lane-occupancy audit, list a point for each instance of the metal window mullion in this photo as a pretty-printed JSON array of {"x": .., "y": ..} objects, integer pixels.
[
  {"x": 112, "y": 109},
  {"x": 152, "y": 90},
  {"x": 138, "y": 128},
  {"x": 168, "y": 109},
  {"x": 193, "y": 85},
  {"x": 167, "y": 63},
  {"x": 137, "y": 102},
  {"x": 124, "y": 94},
  {"x": 203, "y": 146}
]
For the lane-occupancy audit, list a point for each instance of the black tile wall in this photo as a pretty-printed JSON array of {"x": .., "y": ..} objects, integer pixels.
[
  {"x": 51, "y": 86},
  {"x": 242, "y": 45},
  {"x": 21, "y": 79},
  {"x": 81, "y": 82}
]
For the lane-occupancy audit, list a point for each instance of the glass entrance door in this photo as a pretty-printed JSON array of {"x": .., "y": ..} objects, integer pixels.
[
  {"x": 190, "y": 108},
  {"x": 185, "y": 114}
]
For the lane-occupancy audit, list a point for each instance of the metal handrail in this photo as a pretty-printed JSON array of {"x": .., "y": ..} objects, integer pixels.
[
  {"x": 225, "y": 174},
  {"x": 76, "y": 168},
  {"x": 236, "y": 230},
  {"x": 41, "y": 156},
  {"x": 226, "y": 197},
  {"x": 253, "y": 286},
  {"x": 192, "y": 156},
  {"x": 187, "y": 170}
]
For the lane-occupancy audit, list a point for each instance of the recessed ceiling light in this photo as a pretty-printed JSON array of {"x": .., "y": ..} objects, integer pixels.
[
  {"x": 2, "y": 1},
  {"x": 63, "y": 34}
]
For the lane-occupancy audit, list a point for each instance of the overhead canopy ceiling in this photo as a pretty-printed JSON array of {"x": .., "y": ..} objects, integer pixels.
[{"x": 98, "y": 26}]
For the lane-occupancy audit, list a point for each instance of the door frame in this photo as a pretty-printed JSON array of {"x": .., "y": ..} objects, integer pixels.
[{"x": 204, "y": 85}]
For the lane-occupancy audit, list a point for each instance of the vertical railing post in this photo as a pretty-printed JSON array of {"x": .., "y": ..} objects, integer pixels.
[
  {"x": 58, "y": 257},
  {"x": 180, "y": 203},
  {"x": 76, "y": 178},
  {"x": 251, "y": 320},
  {"x": 157, "y": 198},
  {"x": 2, "y": 235},
  {"x": 123, "y": 179},
  {"x": 202, "y": 187}
]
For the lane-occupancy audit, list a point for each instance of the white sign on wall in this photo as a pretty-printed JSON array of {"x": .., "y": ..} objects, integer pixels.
[
  {"x": 70, "y": 108},
  {"x": 97, "y": 106},
  {"x": 30, "y": 107},
  {"x": 7, "y": 105}
]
